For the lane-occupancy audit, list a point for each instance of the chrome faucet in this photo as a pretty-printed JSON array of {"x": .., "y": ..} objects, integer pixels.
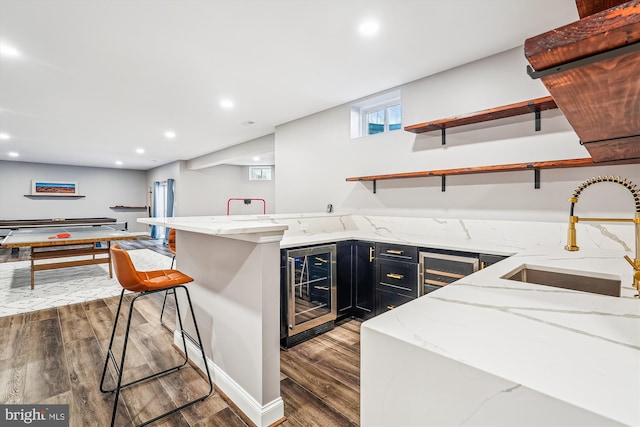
[{"x": 635, "y": 192}]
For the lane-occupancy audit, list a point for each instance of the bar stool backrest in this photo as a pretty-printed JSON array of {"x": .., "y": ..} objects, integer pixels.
[{"x": 126, "y": 273}]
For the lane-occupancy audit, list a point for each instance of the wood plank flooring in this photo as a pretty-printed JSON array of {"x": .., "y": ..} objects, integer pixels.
[{"x": 56, "y": 356}]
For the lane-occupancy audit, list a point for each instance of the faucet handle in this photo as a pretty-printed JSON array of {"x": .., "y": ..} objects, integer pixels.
[
  {"x": 634, "y": 263},
  {"x": 636, "y": 276}
]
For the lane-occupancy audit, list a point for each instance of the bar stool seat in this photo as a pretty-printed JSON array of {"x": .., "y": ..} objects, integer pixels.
[{"x": 145, "y": 283}]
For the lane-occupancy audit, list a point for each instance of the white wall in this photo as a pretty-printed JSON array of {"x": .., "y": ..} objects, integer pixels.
[
  {"x": 102, "y": 187},
  {"x": 206, "y": 191},
  {"x": 315, "y": 154}
]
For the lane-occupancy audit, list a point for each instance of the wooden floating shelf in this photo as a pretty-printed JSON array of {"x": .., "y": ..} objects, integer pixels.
[
  {"x": 534, "y": 166},
  {"x": 591, "y": 67},
  {"x": 48, "y": 196},
  {"x": 517, "y": 109}
]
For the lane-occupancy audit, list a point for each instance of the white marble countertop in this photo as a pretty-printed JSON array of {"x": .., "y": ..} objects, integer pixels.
[
  {"x": 227, "y": 226},
  {"x": 577, "y": 347},
  {"x": 245, "y": 224}
]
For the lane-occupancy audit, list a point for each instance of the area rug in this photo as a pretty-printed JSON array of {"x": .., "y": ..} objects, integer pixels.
[{"x": 54, "y": 288}]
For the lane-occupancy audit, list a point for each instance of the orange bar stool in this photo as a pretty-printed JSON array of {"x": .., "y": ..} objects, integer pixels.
[
  {"x": 145, "y": 283},
  {"x": 171, "y": 242}
]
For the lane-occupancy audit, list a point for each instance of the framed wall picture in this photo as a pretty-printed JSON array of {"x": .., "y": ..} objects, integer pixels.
[{"x": 53, "y": 188}]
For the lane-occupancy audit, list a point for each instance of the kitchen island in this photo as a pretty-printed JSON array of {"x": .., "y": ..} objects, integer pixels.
[{"x": 484, "y": 350}]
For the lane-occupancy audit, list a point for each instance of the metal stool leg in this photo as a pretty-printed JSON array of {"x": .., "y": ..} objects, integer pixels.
[
  {"x": 109, "y": 351},
  {"x": 120, "y": 368},
  {"x": 164, "y": 302},
  {"x": 199, "y": 343}
]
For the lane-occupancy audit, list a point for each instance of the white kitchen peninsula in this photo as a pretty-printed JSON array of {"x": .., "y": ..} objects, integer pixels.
[
  {"x": 236, "y": 297},
  {"x": 491, "y": 351}
]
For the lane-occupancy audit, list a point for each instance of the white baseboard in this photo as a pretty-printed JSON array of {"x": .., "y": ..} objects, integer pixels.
[{"x": 260, "y": 415}]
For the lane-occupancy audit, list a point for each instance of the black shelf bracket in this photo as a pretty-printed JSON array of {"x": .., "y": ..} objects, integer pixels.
[
  {"x": 444, "y": 183},
  {"x": 622, "y": 50},
  {"x": 536, "y": 176},
  {"x": 536, "y": 111},
  {"x": 443, "y": 132},
  {"x": 374, "y": 186}
]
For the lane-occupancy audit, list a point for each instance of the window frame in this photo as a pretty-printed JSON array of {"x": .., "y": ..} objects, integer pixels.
[
  {"x": 360, "y": 111},
  {"x": 364, "y": 114},
  {"x": 262, "y": 168}
]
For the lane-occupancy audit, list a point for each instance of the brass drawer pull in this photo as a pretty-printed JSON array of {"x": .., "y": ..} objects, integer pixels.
[
  {"x": 371, "y": 249},
  {"x": 395, "y": 276},
  {"x": 391, "y": 307},
  {"x": 322, "y": 288},
  {"x": 394, "y": 251}
]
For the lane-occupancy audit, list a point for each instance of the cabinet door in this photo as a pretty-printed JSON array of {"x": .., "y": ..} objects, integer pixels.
[
  {"x": 364, "y": 278},
  {"x": 344, "y": 278}
]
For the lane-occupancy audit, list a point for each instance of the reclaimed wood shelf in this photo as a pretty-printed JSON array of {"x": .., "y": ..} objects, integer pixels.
[
  {"x": 534, "y": 166},
  {"x": 591, "y": 67},
  {"x": 511, "y": 110},
  {"x": 47, "y": 196},
  {"x": 128, "y": 207}
]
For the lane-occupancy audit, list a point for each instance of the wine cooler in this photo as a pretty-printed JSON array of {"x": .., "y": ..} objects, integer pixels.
[
  {"x": 308, "y": 292},
  {"x": 440, "y": 269}
]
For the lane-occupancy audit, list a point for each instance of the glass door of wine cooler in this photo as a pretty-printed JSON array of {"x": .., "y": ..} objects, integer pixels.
[{"x": 312, "y": 289}]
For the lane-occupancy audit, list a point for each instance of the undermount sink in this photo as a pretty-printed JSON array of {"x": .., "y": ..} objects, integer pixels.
[{"x": 566, "y": 279}]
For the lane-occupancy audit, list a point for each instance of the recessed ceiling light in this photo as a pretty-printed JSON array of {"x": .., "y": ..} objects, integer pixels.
[
  {"x": 9, "y": 51},
  {"x": 140, "y": 150},
  {"x": 119, "y": 162},
  {"x": 227, "y": 104},
  {"x": 248, "y": 123},
  {"x": 369, "y": 28},
  {"x": 169, "y": 134},
  {"x": 4, "y": 136},
  {"x": 256, "y": 158},
  {"x": 13, "y": 154}
]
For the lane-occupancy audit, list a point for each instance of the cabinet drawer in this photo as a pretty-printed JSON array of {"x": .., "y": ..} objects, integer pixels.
[
  {"x": 386, "y": 301},
  {"x": 399, "y": 277},
  {"x": 397, "y": 252}
]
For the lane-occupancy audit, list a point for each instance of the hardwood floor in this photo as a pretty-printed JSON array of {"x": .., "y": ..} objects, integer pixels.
[{"x": 56, "y": 356}]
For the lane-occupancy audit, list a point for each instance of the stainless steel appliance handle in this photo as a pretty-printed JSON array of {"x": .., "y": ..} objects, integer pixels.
[{"x": 292, "y": 291}]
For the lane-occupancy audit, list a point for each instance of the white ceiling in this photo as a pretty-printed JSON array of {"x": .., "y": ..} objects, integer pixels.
[{"x": 97, "y": 79}]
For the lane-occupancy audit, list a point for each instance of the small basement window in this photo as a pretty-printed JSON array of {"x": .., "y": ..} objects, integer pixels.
[
  {"x": 259, "y": 173},
  {"x": 377, "y": 114}
]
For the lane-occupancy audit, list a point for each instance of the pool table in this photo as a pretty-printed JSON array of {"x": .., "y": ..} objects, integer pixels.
[{"x": 15, "y": 224}]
